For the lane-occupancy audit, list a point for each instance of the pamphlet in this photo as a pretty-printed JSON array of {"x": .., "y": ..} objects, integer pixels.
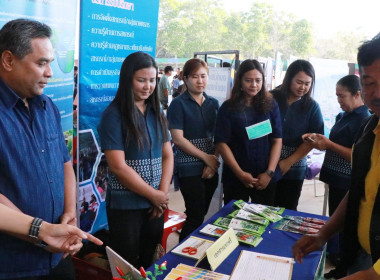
[
  {"x": 193, "y": 247},
  {"x": 243, "y": 236},
  {"x": 257, "y": 266}
]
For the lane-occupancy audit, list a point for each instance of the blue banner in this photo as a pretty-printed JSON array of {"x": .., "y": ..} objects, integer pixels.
[
  {"x": 109, "y": 31},
  {"x": 61, "y": 17}
]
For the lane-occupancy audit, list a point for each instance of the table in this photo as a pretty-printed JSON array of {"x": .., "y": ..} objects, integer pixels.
[{"x": 275, "y": 242}]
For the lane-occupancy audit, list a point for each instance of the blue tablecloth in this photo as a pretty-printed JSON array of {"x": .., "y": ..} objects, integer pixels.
[{"x": 275, "y": 242}]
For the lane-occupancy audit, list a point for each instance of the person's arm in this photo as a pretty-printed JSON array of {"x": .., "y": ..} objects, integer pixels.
[
  {"x": 59, "y": 237},
  {"x": 274, "y": 157},
  {"x": 166, "y": 177},
  {"x": 312, "y": 242},
  {"x": 228, "y": 158},
  {"x": 298, "y": 154},
  {"x": 185, "y": 145},
  {"x": 129, "y": 178},
  {"x": 167, "y": 167},
  {"x": 166, "y": 92},
  {"x": 322, "y": 143},
  {"x": 70, "y": 196}
]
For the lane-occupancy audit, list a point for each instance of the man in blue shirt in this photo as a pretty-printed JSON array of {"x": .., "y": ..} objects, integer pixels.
[{"x": 36, "y": 174}]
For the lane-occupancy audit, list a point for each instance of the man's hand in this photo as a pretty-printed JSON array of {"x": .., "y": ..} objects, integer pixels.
[
  {"x": 306, "y": 244},
  {"x": 64, "y": 238}
]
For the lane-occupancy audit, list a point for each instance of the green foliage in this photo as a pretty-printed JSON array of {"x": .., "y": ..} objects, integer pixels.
[{"x": 188, "y": 26}]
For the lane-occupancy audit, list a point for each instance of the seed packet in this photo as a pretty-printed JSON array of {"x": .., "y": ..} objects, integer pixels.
[
  {"x": 259, "y": 209},
  {"x": 243, "y": 236},
  {"x": 289, "y": 225},
  {"x": 262, "y": 210},
  {"x": 253, "y": 228},
  {"x": 306, "y": 219},
  {"x": 248, "y": 216}
]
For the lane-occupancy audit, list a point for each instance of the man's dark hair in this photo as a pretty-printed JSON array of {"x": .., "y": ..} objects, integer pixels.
[
  {"x": 369, "y": 51},
  {"x": 168, "y": 68},
  {"x": 16, "y": 36}
]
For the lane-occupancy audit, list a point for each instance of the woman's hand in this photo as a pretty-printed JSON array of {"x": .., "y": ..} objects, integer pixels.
[
  {"x": 160, "y": 199},
  {"x": 247, "y": 179},
  {"x": 212, "y": 161},
  {"x": 317, "y": 141},
  {"x": 263, "y": 181},
  {"x": 208, "y": 173}
]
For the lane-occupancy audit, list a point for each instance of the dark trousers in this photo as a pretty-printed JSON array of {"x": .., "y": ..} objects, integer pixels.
[
  {"x": 288, "y": 193},
  {"x": 336, "y": 195},
  {"x": 239, "y": 191},
  {"x": 134, "y": 236},
  {"x": 197, "y": 194},
  {"x": 63, "y": 271}
]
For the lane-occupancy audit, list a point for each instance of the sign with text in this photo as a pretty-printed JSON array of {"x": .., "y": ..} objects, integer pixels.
[
  {"x": 109, "y": 32},
  {"x": 222, "y": 248}
]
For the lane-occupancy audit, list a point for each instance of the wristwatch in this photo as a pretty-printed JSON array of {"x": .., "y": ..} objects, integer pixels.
[{"x": 270, "y": 173}]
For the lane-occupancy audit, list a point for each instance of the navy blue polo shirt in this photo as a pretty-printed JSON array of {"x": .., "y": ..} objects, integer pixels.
[
  {"x": 147, "y": 161},
  {"x": 295, "y": 123},
  {"x": 32, "y": 157},
  {"x": 198, "y": 125},
  {"x": 251, "y": 155},
  {"x": 336, "y": 171}
]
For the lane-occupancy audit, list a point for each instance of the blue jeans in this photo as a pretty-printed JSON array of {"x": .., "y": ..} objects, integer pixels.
[{"x": 363, "y": 261}]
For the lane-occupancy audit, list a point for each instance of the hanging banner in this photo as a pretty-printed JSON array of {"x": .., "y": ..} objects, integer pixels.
[
  {"x": 61, "y": 17},
  {"x": 109, "y": 31}
]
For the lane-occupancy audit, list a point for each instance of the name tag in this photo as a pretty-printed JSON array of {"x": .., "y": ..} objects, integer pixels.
[{"x": 259, "y": 130}]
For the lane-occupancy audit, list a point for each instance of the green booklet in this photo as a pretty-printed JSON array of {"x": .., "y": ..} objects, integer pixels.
[
  {"x": 248, "y": 216},
  {"x": 252, "y": 228},
  {"x": 243, "y": 236}
]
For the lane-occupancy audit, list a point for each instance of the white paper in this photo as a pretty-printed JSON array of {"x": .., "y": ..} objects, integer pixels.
[{"x": 257, "y": 266}]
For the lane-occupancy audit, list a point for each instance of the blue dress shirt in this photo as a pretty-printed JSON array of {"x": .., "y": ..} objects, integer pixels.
[{"x": 32, "y": 157}]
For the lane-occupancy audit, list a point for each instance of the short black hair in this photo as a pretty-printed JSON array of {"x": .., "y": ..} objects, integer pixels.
[
  {"x": 16, "y": 36},
  {"x": 369, "y": 51},
  {"x": 168, "y": 68}
]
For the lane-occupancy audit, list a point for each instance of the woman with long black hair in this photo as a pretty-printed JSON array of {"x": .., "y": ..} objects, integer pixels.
[
  {"x": 134, "y": 138},
  {"x": 248, "y": 137},
  {"x": 300, "y": 114}
]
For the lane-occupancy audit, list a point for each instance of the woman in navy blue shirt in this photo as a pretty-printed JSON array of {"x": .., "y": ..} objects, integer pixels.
[
  {"x": 192, "y": 117},
  {"x": 134, "y": 137},
  {"x": 248, "y": 137},
  {"x": 300, "y": 114},
  {"x": 336, "y": 167}
]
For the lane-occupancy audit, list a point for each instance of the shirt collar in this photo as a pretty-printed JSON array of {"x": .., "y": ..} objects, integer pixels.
[
  {"x": 188, "y": 95},
  {"x": 10, "y": 98}
]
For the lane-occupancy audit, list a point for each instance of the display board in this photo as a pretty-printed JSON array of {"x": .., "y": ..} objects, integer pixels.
[
  {"x": 61, "y": 17},
  {"x": 109, "y": 32}
]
